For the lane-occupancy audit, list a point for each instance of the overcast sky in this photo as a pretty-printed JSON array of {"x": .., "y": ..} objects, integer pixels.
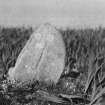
[{"x": 74, "y": 13}]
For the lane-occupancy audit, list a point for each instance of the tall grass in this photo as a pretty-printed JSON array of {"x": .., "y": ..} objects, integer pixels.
[{"x": 85, "y": 49}]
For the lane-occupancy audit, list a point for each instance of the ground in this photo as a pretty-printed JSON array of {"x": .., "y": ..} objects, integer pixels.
[{"x": 82, "y": 45}]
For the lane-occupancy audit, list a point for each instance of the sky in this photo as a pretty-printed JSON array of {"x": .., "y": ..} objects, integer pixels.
[{"x": 61, "y": 13}]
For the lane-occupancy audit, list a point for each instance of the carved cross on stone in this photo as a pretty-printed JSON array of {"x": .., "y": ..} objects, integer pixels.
[{"x": 42, "y": 58}]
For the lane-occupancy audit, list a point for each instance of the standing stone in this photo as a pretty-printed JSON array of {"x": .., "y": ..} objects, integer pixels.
[{"x": 42, "y": 58}]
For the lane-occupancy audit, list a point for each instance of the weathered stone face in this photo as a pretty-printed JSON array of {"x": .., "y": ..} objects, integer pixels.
[{"x": 42, "y": 58}]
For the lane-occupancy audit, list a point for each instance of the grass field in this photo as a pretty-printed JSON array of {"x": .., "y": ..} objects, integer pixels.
[{"x": 82, "y": 81}]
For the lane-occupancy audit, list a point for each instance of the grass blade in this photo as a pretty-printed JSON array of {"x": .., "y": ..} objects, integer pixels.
[
  {"x": 92, "y": 75},
  {"x": 74, "y": 97},
  {"x": 97, "y": 96},
  {"x": 50, "y": 97}
]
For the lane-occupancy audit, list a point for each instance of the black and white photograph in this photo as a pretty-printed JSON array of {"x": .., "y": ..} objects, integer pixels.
[{"x": 52, "y": 52}]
